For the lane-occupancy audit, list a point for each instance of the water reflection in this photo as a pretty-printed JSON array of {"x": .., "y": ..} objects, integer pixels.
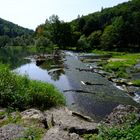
[
  {"x": 53, "y": 70},
  {"x": 17, "y": 56},
  {"x": 36, "y": 73},
  {"x": 14, "y": 56},
  {"x": 54, "y": 66}
]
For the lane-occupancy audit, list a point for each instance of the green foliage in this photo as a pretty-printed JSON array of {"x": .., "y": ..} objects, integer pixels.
[
  {"x": 119, "y": 63},
  {"x": 16, "y": 119},
  {"x": 10, "y": 55},
  {"x": 12, "y": 30},
  {"x": 22, "y": 93},
  {"x": 42, "y": 44},
  {"x": 94, "y": 39},
  {"x": 136, "y": 82},
  {"x": 119, "y": 67},
  {"x": 129, "y": 130},
  {"x": 82, "y": 44},
  {"x": 4, "y": 40},
  {"x": 32, "y": 133},
  {"x": 111, "y": 35},
  {"x": 58, "y": 32},
  {"x": 119, "y": 25},
  {"x": 12, "y": 34},
  {"x": 91, "y": 137},
  {"x": 24, "y": 40}
]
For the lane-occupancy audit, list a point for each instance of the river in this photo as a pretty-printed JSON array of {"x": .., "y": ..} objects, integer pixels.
[{"x": 86, "y": 92}]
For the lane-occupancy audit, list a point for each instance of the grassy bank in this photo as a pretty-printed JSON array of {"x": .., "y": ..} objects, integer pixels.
[
  {"x": 19, "y": 92},
  {"x": 119, "y": 62}
]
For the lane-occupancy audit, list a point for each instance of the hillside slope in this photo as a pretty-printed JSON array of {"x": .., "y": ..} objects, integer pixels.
[
  {"x": 115, "y": 29},
  {"x": 12, "y": 34}
]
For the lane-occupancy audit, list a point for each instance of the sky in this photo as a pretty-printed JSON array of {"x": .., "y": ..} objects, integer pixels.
[{"x": 31, "y": 13}]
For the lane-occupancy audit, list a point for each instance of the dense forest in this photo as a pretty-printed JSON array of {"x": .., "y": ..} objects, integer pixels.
[
  {"x": 115, "y": 29},
  {"x": 12, "y": 34}
]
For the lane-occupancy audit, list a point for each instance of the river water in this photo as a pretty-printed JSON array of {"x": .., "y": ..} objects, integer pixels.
[{"x": 96, "y": 99}]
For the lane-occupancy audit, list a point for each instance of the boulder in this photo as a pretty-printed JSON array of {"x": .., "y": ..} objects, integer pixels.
[
  {"x": 120, "y": 114},
  {"x": 55, "y": 133},
  {"x": 66, "y": 120},
  {"x": 11, "y": 131},
  {"x": 32, "y": 114}
]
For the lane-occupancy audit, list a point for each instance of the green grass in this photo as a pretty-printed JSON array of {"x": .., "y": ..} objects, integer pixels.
[
  {"x": 136, "y": 82},
  {"x": 10, "y": 119},
  {"x": 119, "y": 67},
  {"x": 127, "y": 60},
  {"x": 123, "y": 55},
  {"x": 33, "y": 133},
  {"x": 32, "y": 130},
  {"x": 19, "y": 92},
  {"x": 129, "y": 130}
]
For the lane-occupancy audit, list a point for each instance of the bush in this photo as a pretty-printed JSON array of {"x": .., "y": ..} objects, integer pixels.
[
  {"x": 21, "y": 93},
  {"x": 82, "y": 44},
  {"x": 129, "y": 130}
]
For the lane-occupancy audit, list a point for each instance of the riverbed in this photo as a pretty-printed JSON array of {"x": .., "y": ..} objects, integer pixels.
[{"x": 86, "y": 92}]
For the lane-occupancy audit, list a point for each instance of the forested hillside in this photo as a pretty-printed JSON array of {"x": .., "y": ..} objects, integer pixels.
[
  {"x": 12, "y": 34},
  {"x": 116, "y": 28}
]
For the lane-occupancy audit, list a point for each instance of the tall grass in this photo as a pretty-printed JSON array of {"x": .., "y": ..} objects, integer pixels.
[{"x": 21, "y": 93}]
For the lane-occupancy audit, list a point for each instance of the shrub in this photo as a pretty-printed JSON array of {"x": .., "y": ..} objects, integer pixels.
[
  {"x": 136, "y": 82},
  {"x": 129, "y": 130},
  {"x": 21, "y": 93}
]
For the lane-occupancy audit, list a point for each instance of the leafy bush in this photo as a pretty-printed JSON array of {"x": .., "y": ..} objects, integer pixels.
[
  {"x": 125, "y": 133},
  {"x": 129, "y": 130},
  {"x": 21, "y": 93}
]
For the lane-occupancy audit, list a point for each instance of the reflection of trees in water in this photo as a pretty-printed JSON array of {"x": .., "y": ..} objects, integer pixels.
[
  {"x": 56, "y": 74},
  {"x": 14, "y": 56},
  {"x": 54, "y": 66}
]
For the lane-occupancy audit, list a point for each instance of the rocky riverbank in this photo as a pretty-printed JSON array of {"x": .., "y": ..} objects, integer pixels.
[
  {"x": 57, "y": 123},
  {"x": 121, "y": 69}
]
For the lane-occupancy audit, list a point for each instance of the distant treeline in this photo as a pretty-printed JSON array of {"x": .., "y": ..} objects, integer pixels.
[
  {"x": 116, "y": 29},
  {"x": 12, "y": 34}
]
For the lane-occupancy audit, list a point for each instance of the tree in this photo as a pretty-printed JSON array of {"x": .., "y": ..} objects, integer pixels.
[
  {"x": 80, "y": 24},
  {"x": 42, "y": 43},
  {"x": 4, "y": 40},
  {"x": 64, "y": 35},
  {"x": 111, "y": 37},
  {"x": 94, "y": 39},
  {"x": 82, "y": 44},
  {"x": 91, "y": 25}
]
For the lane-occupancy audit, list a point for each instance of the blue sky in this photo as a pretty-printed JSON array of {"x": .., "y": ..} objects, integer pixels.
[{"x": 31, "y": 13}]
